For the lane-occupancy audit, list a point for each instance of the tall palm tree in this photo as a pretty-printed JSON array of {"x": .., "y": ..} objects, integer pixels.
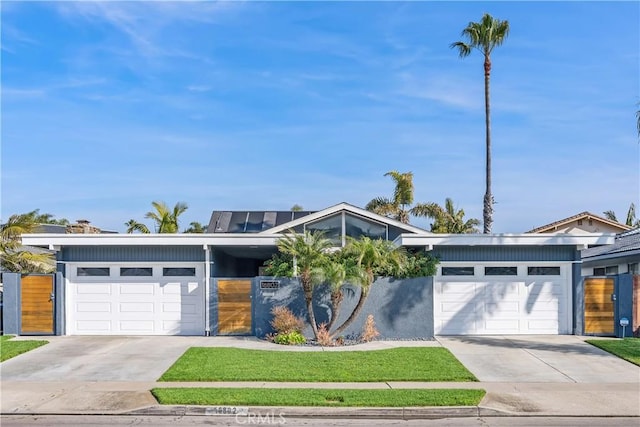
[
  {"x": 398, "y": 207},
  {"x": 17, "y": 258},
  {"x": 448, "y": 219},
  {"x": 165, "y": 219},
  {"x": 309, "y": 253},
  {"x": 485, "y": 36},
  {"x": 369, "y": 257}
]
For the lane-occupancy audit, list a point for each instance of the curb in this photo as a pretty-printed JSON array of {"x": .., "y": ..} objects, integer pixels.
[{"x": 408, "y": 413}]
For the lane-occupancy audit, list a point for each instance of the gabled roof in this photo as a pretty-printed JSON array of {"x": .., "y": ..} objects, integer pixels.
[
  {"x": 625, "y": 244},
  {"x": 347, "y": 208},
  {"x": 582, "y": 215}
]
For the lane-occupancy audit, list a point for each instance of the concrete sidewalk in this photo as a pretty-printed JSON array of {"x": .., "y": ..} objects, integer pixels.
[{"x": 541, "y": 376}]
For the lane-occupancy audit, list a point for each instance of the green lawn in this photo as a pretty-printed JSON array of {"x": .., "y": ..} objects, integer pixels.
[
  {"x": 398, "y": 364},
  {"x": 317, "y": 397},
  {"x": 10, "y": 348},
  {"x": 627, "y": 349}
]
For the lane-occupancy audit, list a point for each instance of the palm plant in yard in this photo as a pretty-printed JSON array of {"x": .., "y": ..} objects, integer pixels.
[
  {"x": 17, "y": 258},
  {"x": 309, "y": 254},
  {"x": 399, "y": 207},
  {"x": 485, "y": 36},
  {"x": 447, "y": 219},
  {"x": 367, "y": 258},
  {"x": 165, "y": 220}
]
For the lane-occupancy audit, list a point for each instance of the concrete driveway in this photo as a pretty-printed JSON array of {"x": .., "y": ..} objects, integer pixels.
[
  {"x": 539, "y": 359},
  {"x": 552, "y": 375}
]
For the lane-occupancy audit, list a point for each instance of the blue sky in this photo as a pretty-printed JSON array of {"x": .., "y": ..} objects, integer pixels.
[{"x": 262, "y": 105}]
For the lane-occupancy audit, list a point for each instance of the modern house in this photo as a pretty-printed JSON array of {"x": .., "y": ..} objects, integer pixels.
[{"x": 210, "y": 284}]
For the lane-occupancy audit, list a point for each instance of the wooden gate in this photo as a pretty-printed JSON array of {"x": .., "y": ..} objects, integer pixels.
[
  {"x": 234, "y": 307},
  {"x": 37, "y": 301},
  {"x": 598, "y": 306}
]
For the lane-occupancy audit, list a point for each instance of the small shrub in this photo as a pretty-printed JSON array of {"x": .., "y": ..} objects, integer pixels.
[
  {"x": 284, "y": 321},
  {"x": 290, "y": 338},
  {"x": 324, "y": 337},
  {"x": 369, "y": 332}
]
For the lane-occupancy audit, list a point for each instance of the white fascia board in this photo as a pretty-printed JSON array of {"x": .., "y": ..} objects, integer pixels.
[
  {"x": 523, "y": 239},
  {"x": 348, "y": 208},
  {"x": 202, "y": 240}
]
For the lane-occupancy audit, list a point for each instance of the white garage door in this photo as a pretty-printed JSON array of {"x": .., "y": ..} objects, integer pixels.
[
  {"x": 135, "y": 300},
  {"x": 532, "y": 300}
]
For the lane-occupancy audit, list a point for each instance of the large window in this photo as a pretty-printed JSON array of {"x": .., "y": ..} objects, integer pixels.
[
  {"x": 338, "y": 226},
  {"x": 331, "y": 227},
  {"x": 357, "y": 227}
]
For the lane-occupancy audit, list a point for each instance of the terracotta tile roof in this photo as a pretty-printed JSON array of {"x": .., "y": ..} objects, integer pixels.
[{"x": 581, "y": 215}]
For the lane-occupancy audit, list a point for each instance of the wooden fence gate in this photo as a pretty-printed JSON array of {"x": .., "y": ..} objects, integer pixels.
[
  {"x": 598, "y": 306},
  {"x": 37, "y": 305},
  {"x": 234, "y": 306}
]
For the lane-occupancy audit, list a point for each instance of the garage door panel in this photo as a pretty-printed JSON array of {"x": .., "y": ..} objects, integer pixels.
[
  {"x": 137, "y": 288},
  {"x": 503, "y": 307},
  {"x": 143, "y": 307},
  {"x": 93, "y": 325},
  {"x": 93, "y": 307}
]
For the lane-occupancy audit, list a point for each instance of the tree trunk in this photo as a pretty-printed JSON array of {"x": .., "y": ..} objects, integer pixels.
[
  {"x": 487, "y": 211},
  {"x": 336, "y": 300},
  {"x": 354, "y": 314},
  {"x": 308, "y": 297}
]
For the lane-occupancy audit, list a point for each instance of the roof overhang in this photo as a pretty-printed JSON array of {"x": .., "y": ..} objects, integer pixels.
[
  {"x": 524, "y": 239},
  {"x": 53, "y": 241}
]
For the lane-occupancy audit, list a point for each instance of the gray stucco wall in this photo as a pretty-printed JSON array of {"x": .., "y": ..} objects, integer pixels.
[
  {"x": 11, "y": 303},
  {"x": 402, "y": 309},
  {"x": 578, "y": 298},
  {"x": 624, "y": 304}
]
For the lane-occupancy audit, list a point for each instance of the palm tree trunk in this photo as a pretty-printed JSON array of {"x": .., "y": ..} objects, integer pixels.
[
  {"x": 487, "y": 212},
  {"x": 354, "y": 314},
  {"x": 336, "y": 300},
  {"x": 305, "y": 280}
]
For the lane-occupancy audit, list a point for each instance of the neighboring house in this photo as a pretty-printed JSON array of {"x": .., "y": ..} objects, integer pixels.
[
  {"x": 210, "y": 284},
  {"x": 584, "y": 222},
  {"x": 623, "y": 256}
]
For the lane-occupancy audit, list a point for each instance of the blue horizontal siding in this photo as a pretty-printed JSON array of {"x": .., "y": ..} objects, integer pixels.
[
  {"x": 506, "y": 253},
  {"x": 132, "y": 253}
]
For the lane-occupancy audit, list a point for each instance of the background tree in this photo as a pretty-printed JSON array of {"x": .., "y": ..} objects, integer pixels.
[
  {"x": 296, "y": 208},
  {"x": 196, "y": 227},
  {"x": 399, "y": 207},
  {"x": 631, "y": 216},
  {"x": 448, "y": 219},
  {"x": 485, "y": 36},
  {"x": 14, "y": 256},
  {"x": 37, "y": 218},
  {"x": 165, "y": 220}
]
